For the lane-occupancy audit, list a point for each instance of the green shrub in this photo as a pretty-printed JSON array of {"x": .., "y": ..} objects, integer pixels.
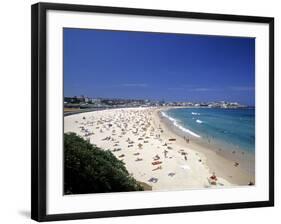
[{"x": 88, "y": 169}]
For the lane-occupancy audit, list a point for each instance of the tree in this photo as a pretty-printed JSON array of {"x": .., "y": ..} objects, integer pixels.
[{"x": 89, "y": 169}]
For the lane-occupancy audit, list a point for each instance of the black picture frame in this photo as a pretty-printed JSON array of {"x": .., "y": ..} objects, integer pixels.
[{"x": 39, "y": 123}]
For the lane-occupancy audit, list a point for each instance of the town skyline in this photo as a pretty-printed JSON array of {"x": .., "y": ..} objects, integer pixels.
[
  {"x": 91, "y": 102},
  {"x": 79, "y": 96}
]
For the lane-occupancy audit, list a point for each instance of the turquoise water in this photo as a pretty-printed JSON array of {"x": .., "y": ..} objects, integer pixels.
[{"x": 232, "y": 127}]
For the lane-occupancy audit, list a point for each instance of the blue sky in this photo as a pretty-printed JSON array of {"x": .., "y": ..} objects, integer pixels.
[{"x": 172, "y": 67}]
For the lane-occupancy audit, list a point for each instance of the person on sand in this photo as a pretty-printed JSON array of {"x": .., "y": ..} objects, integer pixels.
[
  {"x": 157, "y": 168},
  {"x": 156, "y": 157},
  {"x": 251, "y": 183},
  {"x": 165, "y": 153},
  {"x": 213, "y": 179}
]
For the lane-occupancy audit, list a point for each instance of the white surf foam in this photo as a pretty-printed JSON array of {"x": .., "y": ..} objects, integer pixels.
[
  {"x": 174, "y": 121},
  {"x": 193, "y": 113},
  {"x": 199, "y": 121}
]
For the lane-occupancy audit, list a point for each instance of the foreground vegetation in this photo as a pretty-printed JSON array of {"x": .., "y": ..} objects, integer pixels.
[{"x": 89, "y": 169}]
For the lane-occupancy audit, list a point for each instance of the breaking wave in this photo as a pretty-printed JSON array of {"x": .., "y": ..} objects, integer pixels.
[{"x": 175, "y": 123}]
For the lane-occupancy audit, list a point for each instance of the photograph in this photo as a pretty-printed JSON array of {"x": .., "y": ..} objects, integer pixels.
[
  {"x": 139, "y": 111},
  {"x": 153, "y": 111}
]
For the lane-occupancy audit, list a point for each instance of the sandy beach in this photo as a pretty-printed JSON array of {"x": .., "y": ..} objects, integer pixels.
[{"x": 156, "y": 154}]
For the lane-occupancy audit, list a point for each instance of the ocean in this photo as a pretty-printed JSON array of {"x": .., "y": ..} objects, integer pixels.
[{"x": 230, "y": 129}]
